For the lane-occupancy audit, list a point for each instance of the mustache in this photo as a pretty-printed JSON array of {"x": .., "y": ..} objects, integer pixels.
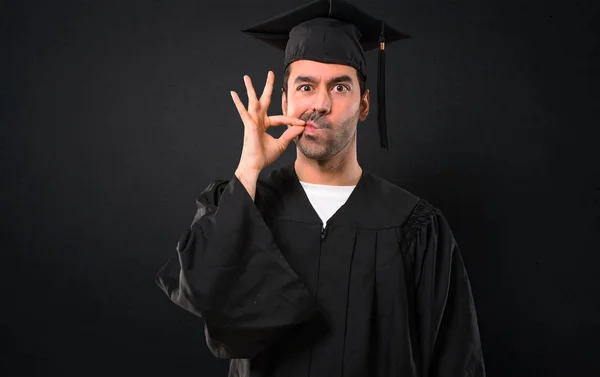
[{"x": 317, "y": 118}]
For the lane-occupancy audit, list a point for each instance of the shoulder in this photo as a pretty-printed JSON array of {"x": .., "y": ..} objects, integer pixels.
[
  {"x": 392, "y": 204},
  {"x": 389, "y": 192},
  {"x": 403, "y": 208}
]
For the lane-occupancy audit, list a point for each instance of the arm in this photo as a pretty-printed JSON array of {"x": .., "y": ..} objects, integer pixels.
[
  {"x": 228, "y": 268},
  {"x": 229, "y": 271},
  {"x": 450, "y": 345}
]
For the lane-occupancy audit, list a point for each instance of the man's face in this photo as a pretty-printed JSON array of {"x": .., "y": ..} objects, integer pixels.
[{"x": 327, "y": 97}]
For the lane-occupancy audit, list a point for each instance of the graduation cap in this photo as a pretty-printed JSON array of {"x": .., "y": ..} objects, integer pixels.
[{"x": 332, "y": 31}]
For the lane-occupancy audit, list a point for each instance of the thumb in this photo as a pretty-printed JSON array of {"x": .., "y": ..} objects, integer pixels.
[{"x": 290, "y": 134}]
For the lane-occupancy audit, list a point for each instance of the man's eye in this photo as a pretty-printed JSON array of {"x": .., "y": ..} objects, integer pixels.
[
  {"x": 341, "y": 88},
  {"x": 304, "y": 88}
]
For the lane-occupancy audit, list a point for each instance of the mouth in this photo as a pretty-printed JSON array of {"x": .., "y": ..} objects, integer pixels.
[{"x": 312, "y": 126}]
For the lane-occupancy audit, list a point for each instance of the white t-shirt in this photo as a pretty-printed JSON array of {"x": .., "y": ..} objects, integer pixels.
[{"x": 326, "y": 199}]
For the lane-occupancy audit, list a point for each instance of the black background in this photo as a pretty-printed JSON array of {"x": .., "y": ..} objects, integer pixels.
[{"x": 115, "y": 115}]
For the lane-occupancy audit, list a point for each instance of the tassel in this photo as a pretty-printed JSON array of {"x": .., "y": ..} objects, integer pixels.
[{"x": 381, "y": 117}]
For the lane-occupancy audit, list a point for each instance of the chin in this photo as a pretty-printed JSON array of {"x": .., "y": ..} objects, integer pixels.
[{"x": 314, "y": 151}]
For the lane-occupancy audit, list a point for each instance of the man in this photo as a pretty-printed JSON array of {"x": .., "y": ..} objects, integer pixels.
[{"x": 322, "y": 268}]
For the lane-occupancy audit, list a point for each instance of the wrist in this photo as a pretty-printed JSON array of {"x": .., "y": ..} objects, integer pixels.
[
  {"x": 244, "y": 173},
  {"x": 248, "y": 178}
]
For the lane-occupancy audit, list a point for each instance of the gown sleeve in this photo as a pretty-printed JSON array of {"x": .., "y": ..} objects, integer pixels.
[
  {"x": 228, "y": 270},
  {"x": 448, "y": 331}
]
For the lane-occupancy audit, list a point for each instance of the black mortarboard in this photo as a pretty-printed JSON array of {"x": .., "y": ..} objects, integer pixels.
[{"x": 332, "y": 31}]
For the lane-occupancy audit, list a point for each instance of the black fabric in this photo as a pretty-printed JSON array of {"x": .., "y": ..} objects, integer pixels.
[
  {"x": 365, "y": 30},
  {"x": 326, "y": 40},
  {"x": 383, "y": 291},
  {"x": 229, "y": 271}
]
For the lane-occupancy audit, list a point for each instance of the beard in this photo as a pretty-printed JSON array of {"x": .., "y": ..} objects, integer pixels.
[{"x": 330, "y": 141}]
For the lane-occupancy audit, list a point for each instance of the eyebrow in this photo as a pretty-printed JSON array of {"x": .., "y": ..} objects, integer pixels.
[{"x": 312, "y": 80}]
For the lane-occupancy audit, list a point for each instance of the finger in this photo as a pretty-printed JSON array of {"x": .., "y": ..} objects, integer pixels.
[
  {"x": 265, "y": 98},
  {"x": 289, "y": 135},
  {"x": 240, "y": 106},
  {"x": 278, "y": 120},
  {"x": 252, "y": 100}
]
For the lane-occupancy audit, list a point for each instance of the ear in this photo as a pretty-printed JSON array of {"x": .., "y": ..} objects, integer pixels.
[
  {"x": 283, "y": 102},
  {"x": 365, "y": 103}
]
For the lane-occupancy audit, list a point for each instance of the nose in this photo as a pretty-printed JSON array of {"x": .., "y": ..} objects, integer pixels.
[{"x": 322, "y": 102}]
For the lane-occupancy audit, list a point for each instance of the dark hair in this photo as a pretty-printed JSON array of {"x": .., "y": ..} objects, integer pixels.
[{"x": 362, "y": 80}]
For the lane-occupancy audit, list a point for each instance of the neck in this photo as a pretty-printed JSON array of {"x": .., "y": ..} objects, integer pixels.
[{"x": 341, "y": 170}]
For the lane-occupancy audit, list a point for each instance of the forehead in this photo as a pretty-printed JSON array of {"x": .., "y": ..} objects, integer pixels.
[{"x": 320, "y": 70}]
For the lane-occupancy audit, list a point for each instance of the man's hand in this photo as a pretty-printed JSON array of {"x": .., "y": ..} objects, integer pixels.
[{"x": 261, "y": 149}]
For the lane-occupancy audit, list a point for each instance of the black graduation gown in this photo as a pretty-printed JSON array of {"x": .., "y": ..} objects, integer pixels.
[{"x": 380, "y": 291}]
